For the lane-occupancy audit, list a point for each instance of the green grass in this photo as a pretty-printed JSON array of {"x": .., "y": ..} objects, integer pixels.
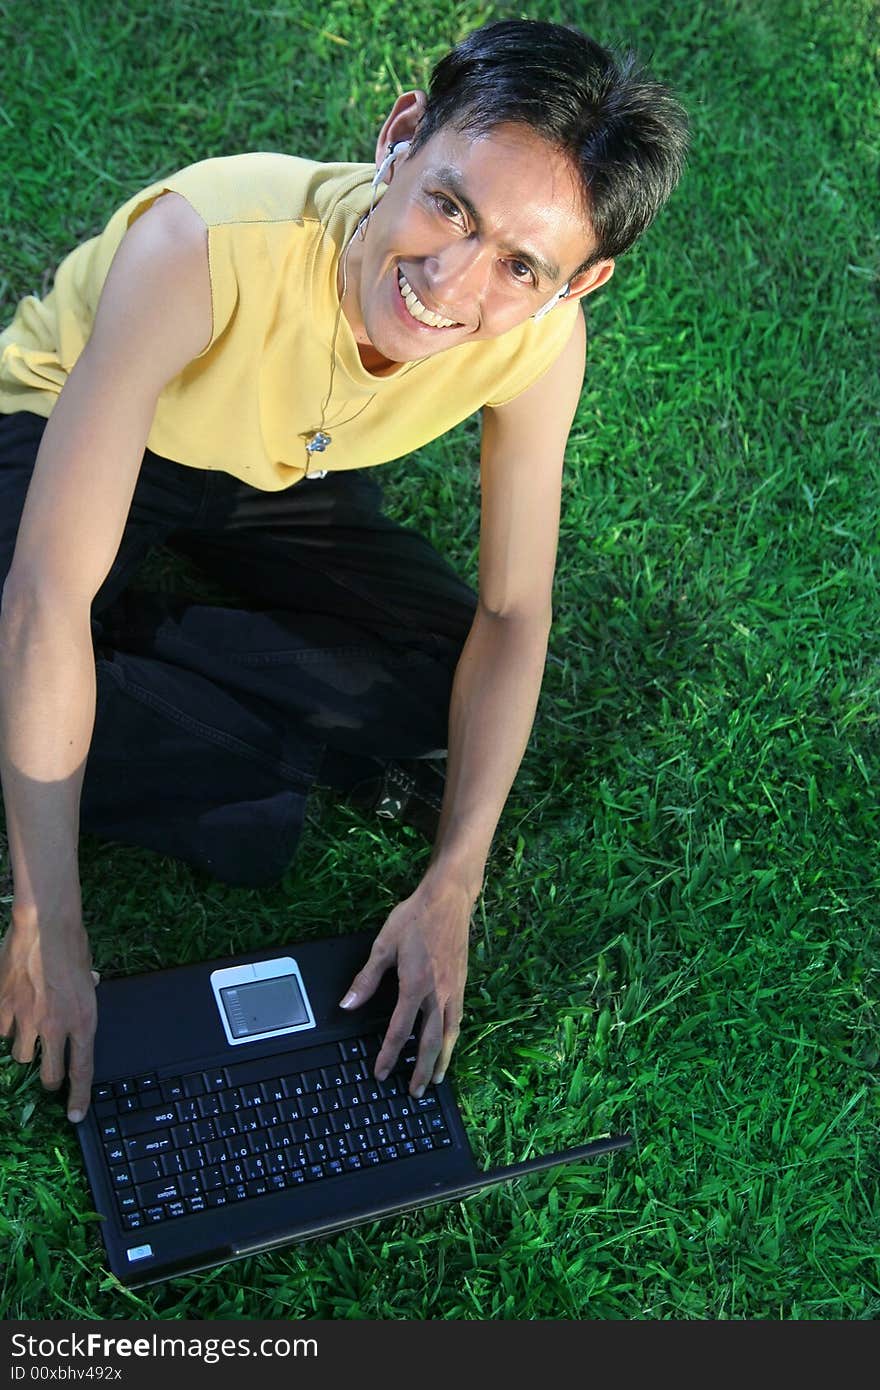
[{"x": 678, "y": 932}]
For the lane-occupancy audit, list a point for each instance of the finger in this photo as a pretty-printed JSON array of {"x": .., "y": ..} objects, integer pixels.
[
  {"x": 52, "y": 1064},
  {"x": 23, "y": 1045},
  {"x": 399, "y": 1029},
  {"x": 429, "y": 1048},
  {"x": 450, "y": 1038},
  {"x": 80, "y": 1071},
  {"x": 366, "y": 982}
]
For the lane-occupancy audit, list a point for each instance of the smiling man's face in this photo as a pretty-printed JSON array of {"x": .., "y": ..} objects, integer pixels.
[{"x": 471, "y": 238}]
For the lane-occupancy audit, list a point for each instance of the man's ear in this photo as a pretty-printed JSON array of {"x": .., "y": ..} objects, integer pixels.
[
  {"x": 590, "y": 279},
  {"x": 400, "y": 124}
]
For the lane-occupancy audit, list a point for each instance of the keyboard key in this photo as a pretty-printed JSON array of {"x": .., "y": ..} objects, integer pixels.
[
  {"x": 124, "y": 1088},
  {"x": 216, "y": 1197},
  {"x": 108, "y": 1129},
  {"x": 392, "y": 1086},
  {"x": 355, "y": 1071},
  {"x": 152, "y": 1193},
  {"x": 193, "y": 1086},
  {"x": 214, "y": 1080},
  {"x": 127, "y": 1201},
  {"x": 172, "y": 1089},
  {"x": 147, "y": 1170},
  {"x": 115, "y": 1152},
  {"x": 147, "y": 1083},
  {"x": 154, "y": 1214},
  {"x": 133, "y": 1221},
  {"x": 102, "y": 1093},
  {"x": 159, "y": 1117},
  {"x": 352, "y": 1048}
]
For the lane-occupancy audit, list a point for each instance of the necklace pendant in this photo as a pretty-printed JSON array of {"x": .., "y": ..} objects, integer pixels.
[{"x": 318, "y": 442}]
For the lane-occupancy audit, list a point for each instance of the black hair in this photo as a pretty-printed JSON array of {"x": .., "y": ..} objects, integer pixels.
[{"x": 625, "y": 134}]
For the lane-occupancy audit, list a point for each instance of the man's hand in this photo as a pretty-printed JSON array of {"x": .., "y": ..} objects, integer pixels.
[
  {"x": 427, "y": 937},
  {"x": 47, "y": 992}
]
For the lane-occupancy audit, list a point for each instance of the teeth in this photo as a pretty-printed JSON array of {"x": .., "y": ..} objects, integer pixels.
[{"x": 417, "y": 309}]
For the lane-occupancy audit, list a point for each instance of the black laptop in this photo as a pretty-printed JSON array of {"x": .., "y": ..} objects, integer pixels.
[{"x": 234, "y": 1109}]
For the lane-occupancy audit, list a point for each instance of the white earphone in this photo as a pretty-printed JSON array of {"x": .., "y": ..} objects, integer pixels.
[
  {"x": 551, "y": 303},
  {"x": 393, "y": 151}
]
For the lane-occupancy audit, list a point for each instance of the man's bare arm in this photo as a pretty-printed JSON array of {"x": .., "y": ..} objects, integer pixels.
[
  {"x": 494, "y": 697},
  {"x": 154, "y": 316}
]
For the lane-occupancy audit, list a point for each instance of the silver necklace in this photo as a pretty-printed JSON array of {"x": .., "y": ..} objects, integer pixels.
[{"x": 318, "y": 440}]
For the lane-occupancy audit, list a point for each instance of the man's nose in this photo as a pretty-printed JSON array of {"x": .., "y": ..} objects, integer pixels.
[{"x": 458, "y": 276}]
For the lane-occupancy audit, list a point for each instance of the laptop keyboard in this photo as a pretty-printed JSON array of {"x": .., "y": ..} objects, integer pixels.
[{"x": 178, "y": 1145}]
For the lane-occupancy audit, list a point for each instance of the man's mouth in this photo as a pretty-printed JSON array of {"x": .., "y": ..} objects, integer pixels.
[{"x": 417, "y": 310}]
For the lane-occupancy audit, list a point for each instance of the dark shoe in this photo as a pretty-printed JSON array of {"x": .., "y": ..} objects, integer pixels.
[{"x": 409, "y": 791}]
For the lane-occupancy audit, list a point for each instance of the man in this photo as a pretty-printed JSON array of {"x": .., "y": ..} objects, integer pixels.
[{"x": 210, "y": 372}]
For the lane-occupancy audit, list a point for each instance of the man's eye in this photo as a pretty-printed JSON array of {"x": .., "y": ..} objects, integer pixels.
[
  {"x": 520, "y": 271},
  {"x": 447, "y": 207}
]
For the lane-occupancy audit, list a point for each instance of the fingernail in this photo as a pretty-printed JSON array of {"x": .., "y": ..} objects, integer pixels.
[
  {"x": 439, "y": 1077},
  {"x": 381, "y": 1075},
  {"x": 419, "y": 1092},
  {"x": 349, "y": 999},
  {"x": 74, "y": 1116}
]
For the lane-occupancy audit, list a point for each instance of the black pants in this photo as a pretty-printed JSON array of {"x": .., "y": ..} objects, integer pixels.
[{"x": 336, "y": 648}]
